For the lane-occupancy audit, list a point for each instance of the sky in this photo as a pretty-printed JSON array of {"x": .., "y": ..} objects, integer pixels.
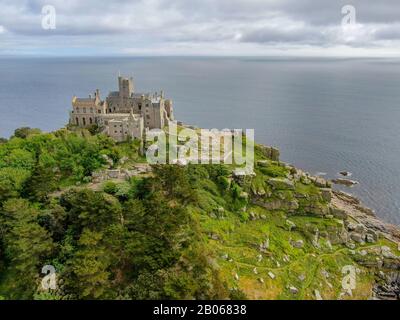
[{"x": 344, "y": 28}]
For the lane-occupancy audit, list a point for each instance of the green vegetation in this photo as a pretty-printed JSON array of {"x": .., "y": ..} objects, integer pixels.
[{"x": 178, "y": 233}]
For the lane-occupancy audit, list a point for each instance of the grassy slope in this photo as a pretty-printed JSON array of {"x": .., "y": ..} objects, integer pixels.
[
  {"x": 236, "y": 250},
  {"x": 242, "y": 265}
]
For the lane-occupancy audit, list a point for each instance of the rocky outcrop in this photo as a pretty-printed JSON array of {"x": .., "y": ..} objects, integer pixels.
[
  {"x": 345, "y": 182},
  {"x": 277, "y": 204},
  {"x": 269, "y": 152},
  {"x": 364, "y": 227},
  {"x": 281, "y": 184}
]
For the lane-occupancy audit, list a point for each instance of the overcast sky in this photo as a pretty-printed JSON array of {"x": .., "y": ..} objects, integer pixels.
[{"x": 201, "y": 27}]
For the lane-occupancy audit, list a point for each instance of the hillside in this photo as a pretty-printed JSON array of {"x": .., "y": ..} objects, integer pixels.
[{"x": 116, "y": 228}]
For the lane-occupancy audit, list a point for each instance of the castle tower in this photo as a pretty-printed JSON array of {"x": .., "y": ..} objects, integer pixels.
[{"x": 126, "y": 87}]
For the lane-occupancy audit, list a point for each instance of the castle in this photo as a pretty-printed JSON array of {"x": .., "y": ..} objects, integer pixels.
[{"x": 124, "y": 114}]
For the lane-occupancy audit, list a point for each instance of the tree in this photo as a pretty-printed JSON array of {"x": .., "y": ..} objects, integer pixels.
[
  {"x": 12, "y": 181},
  {"x": 88, "y": 274},
  {"x": 88, "y": 209},
  {"x": 26, "y": 243},
  {"x": 24, "y": 132},
  {"x": 174, "y": 181}
]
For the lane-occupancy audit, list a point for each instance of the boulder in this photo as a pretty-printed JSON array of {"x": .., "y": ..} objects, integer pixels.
[
  {"x": 360, "y": 228},
  {"x": 317, "y": 209},
  {"x": 281, "y": 184},
  {"x": 244, "y": 195},
  {"x": 345, "y": 182},
  {"x": 326, "y": 194},
  {"x": 387, "y": 253},
  {"x": 357, "y": 237},
  {"x": 253, "y": 216},
  {"x": 351, "y": 226},
  {"x": 213, "y": 236},
  {"x": 319, "y": 182},
  {"x": 371, "y": 237},
  {"x": 338, "y": 213},
  {"x": 270, "y": 152},
  {"x": 264, "y": 246},
  {"x": 293, "y": 290},
  {"x": 298, "y": 244},
  {"x": 113, "y": 174},
  {"x": 278, "y": 204},
  {"x": 263, "y": 163},
  {"x": 305, "y": 180},
  {"x": 351, "y": 245},
  {"x": 291, "y": 225}
]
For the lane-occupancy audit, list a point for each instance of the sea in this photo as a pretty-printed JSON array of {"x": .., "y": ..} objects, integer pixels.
[{"x": 325, "y": 115}]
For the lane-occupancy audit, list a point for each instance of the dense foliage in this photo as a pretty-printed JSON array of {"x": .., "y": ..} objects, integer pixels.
[
  {"x": 173, "y": 232},
  {"x": 128, "y": 241}
]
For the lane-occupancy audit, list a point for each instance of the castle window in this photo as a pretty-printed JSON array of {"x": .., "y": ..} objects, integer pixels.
[
  {"x": 77, "y": 110},
  {"x": 84, "y": 121},
  {"x": 90, "y": 120},
  {"x": 91, "y": 110},
  {"x": 77, "y": 121},
  {"x": 84, "y": 110}
]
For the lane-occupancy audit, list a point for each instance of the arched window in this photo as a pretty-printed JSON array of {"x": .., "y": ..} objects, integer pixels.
[
  {"x": 77, "y": 121},
  {"x": 90, "y": 120},
  {"x": 84, "y": 121}
]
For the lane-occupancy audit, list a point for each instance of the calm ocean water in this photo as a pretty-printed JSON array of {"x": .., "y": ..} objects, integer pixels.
[{"x": 324, "y": 115}]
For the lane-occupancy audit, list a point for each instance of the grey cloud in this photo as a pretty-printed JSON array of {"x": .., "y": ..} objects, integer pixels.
[
  {"x": 231, "y": 22},
  {"x": 295, "y": 35}
]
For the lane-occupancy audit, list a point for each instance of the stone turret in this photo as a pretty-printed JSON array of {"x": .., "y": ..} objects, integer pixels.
[{"x": 126, "y": 87}]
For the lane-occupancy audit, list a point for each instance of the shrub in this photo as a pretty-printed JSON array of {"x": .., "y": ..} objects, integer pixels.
[{"x": 110, "y": 187}]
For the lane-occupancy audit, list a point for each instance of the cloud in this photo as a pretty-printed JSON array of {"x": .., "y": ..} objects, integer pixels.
[{"x": 246, "y": 26}]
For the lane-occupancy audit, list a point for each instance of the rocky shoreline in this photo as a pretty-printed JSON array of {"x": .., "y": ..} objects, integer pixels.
[
  {"x": 361, "y": 226},
  {"x": 386, "y": 263}
]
